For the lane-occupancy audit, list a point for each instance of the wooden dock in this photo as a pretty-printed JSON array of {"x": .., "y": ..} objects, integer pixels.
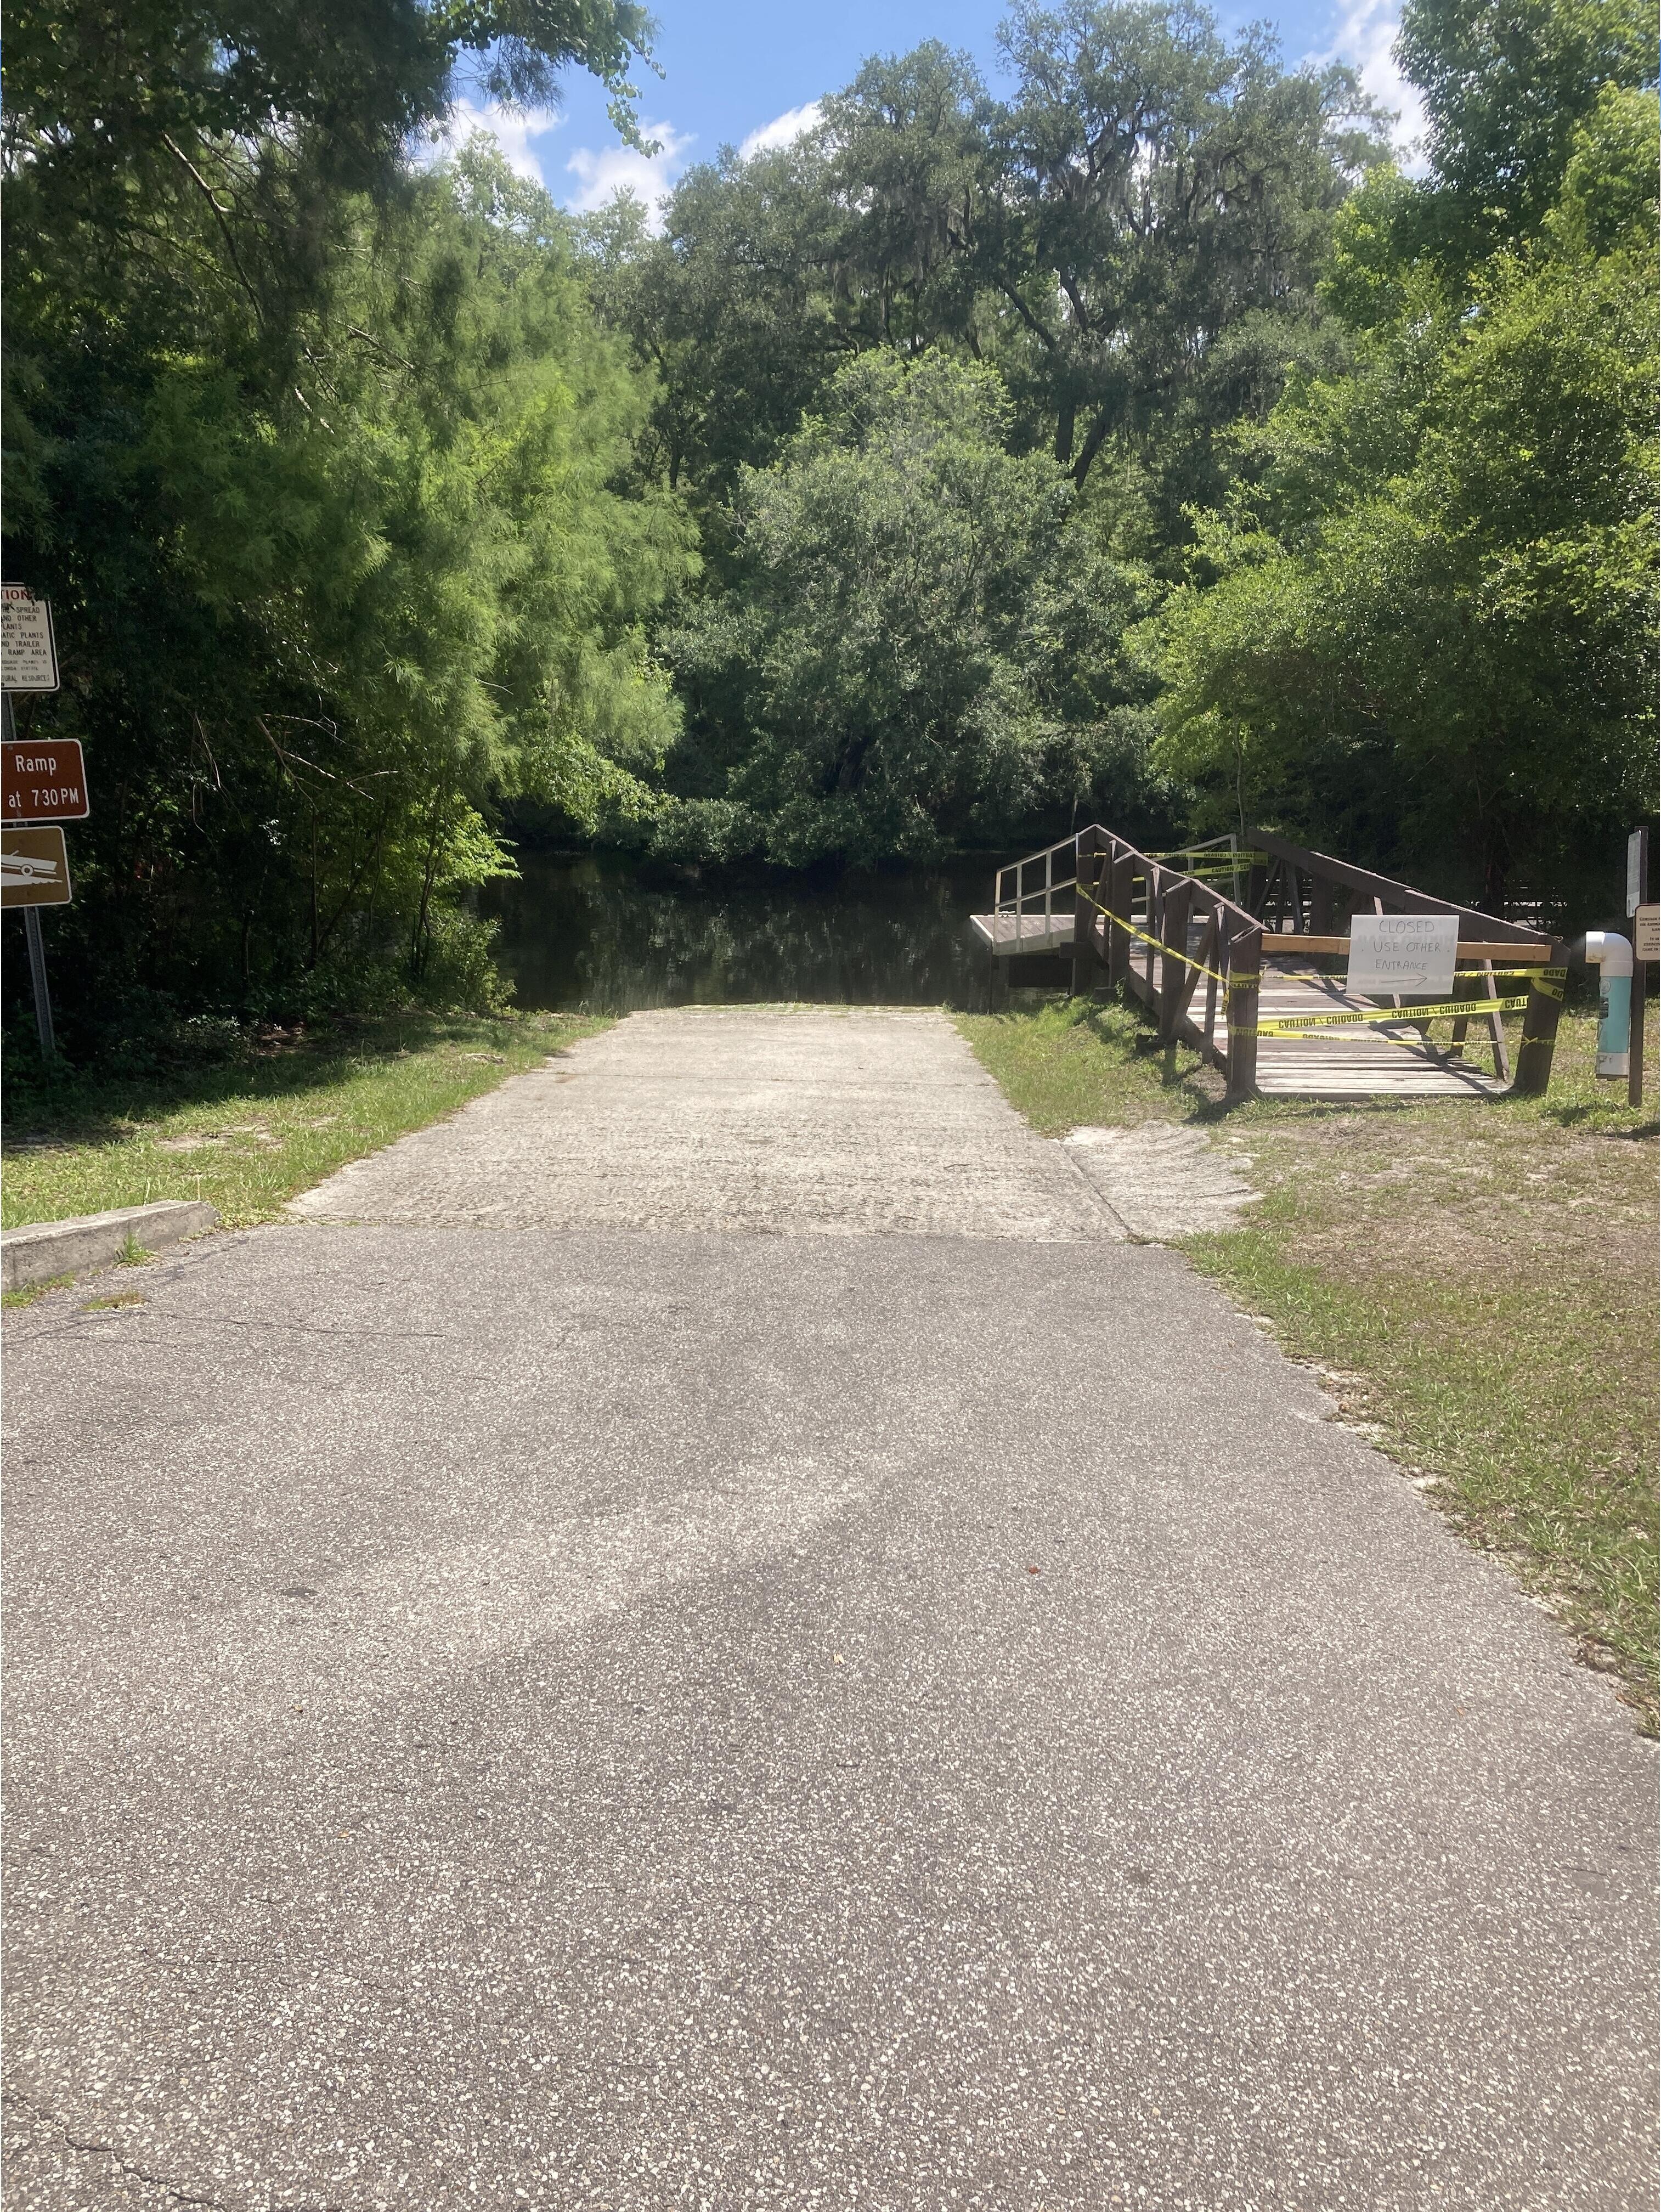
[
  {"x": 1005, "y": 935},
  {"x": 1374, "y": 1060},
  {"x": 1219, "y": 972},
  {"x": 1344, "y": 1063}
]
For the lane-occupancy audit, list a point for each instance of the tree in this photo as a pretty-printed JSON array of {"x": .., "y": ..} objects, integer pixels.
[
  {"x": 917, "y": 647},
  {"x": 311, "y": 633},
  {"x": 1162, "y": 185},
  {"x": 1132, "y": 240},
  {"x": 1431, "y": 627},
  {"x": 313, "y": 454}
]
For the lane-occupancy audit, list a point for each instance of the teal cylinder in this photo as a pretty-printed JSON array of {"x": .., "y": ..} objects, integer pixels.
[{"x": 1614, "y": 1024}]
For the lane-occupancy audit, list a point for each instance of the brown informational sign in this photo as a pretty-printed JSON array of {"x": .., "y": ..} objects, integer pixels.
[
  {"x": 28, "y": 651},
  {"x": 43, "y": 782},
  {"x": 1646, "y": 933},
  {"x": 34, "y": 868}
]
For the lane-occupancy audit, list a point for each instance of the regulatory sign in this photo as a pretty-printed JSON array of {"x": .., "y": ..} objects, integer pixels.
[
  {"x": 43, "y": 781},
  {"x": 1646, "y": 933},
  {"x": 28, "y": 652},
  {"x": 1402, "y": 954},
  {"x": 34, "y": 868}
]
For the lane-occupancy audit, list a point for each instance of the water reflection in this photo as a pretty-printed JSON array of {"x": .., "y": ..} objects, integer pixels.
[{"x": 608, "y": 933}]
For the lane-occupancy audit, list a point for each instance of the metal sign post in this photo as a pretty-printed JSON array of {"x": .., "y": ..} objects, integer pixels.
[
  {"x": 44, "y": 784},
  {"x": 37, "y": 979}
]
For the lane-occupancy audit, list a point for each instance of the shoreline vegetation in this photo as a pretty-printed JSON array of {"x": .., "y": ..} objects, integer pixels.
[
  {"x": 1476, "y": 1283},
  {"x": 1120, "y": 436}
]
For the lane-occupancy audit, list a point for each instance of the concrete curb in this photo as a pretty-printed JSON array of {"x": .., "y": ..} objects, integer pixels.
[{"x": 45, "y": 1248}]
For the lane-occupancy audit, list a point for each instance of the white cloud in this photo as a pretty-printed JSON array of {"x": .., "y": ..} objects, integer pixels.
[
  {"x": 784, "y": 129},
  {"x": 601, "y": 176},
  {"x": 511, "y": 130},
  {"x": 1365, "y": 38}
]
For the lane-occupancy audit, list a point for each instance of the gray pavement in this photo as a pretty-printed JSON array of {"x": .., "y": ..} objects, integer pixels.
[
  {"x": 826, "y": 1122},
  {"x": 642, "y": 1716}
]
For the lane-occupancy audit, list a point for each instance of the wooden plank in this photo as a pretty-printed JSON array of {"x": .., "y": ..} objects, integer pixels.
[
  {"x": 1007, "y": 934},
  {"x": 1523, "y": 955},
  {"x": 1089, "y": 860},
  {"x": 1173, "y": 931}
]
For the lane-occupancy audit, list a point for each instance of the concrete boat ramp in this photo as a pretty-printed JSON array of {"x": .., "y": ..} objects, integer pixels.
[{"x": 716, "y": 1632}]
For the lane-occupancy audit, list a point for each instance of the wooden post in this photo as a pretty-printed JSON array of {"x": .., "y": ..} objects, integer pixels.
[
  {"x": 1119, "y": 899},
  {"x": 1245, "y": 972},
  {"x": 1173, "y": 935},
  {"x": 1086, "y": 874},
  {"x": 1214, "y": 962},
  {"x": 1640, "y": 970},
  {"x": 1539, "y": 1038},
  {"x": 1638, "y": 866}
]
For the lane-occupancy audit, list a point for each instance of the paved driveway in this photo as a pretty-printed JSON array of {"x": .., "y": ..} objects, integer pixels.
[{"x": 604, "y": 1704}]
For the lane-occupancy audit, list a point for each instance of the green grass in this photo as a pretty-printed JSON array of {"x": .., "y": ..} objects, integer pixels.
[
  {"x": 31, "y": 1291},
  {"x": 250, "y": 1134},
  {"x": 1478, "y": 1280}
]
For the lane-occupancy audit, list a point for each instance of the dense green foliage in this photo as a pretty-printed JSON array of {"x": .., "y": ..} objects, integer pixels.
[
  {"x": 1133, "y": 241},
  {"x": 1423, "y": 627},
  {"x": 312, "y": 451},
  {"x": 1141, "y": 444},
  {"x": 918, "y": 643}
]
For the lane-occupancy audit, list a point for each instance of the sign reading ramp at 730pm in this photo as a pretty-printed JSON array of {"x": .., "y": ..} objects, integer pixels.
[
  {"x": 43, "y": 781},
  {"x": 1403, "y": 955},
  {"x": 28, "y": 651},
  {"x": 34, "y": 868}
]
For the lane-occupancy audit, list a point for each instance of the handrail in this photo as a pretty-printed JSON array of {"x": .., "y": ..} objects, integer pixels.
[
  {"x": 1132, "y": 914},
  {"x": 1046, "y": 890},
  {"x": 1289, "y": 866}
]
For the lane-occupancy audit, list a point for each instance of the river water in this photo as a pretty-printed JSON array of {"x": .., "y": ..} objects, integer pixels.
[{"x": 608, "y": 933}]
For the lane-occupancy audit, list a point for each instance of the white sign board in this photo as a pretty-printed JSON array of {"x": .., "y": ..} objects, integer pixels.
[
  {"x": 28, "y": 655},
  {"x": 1403, "y": 955},
  {"x": 1646, "y": 933}
]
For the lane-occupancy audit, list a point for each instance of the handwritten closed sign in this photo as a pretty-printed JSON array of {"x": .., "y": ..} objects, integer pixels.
[{"x": 1405, "y": 955}]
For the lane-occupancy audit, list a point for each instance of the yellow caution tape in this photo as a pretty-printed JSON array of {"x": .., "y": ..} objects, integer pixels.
[
  {"x": 1215, "y": 856},
  {"x": 1543, "y": 978},
  {"x": 1449, "y": 1010},
  {"x": 1158, "y": 944}
]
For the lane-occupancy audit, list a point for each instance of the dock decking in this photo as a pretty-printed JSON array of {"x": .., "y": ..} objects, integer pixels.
[{"x": 1372, "y": 1061}]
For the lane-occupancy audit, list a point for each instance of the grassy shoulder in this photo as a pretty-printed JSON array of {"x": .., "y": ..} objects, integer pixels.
[
  {"x": 251, "y": 1132},
  {"x": 1478, "y": 1281}
]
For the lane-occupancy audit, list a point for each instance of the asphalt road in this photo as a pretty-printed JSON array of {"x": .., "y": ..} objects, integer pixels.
[{"x": 667, "y": 1715}]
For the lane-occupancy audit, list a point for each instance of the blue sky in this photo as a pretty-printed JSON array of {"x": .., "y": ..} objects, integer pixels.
[{"x": 738, "y": 71}]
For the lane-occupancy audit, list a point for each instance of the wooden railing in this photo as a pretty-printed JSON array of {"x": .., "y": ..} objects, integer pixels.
[
  {"x": 1307, "y": 899},
  {"x": 1134, "y": 926},
  {"x": 1135, "y": 914}
]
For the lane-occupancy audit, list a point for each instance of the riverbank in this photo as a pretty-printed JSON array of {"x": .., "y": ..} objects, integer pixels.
[
  {"x": 1477, "y": 1282},
  {"x": 250, "y": 1130}
]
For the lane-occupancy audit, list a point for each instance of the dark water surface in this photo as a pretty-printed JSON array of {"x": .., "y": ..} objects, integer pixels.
[{"x": 607, "y": 932}]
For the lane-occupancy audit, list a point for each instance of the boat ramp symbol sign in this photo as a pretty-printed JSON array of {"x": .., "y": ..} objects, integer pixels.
[
  {"x": 28, "y": 652},
  {"x": 43, "y": 780},
  {"x": 34, "y": 868}
]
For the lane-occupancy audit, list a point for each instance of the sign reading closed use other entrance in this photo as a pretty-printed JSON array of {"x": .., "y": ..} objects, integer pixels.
[{"x": 1403, "y": 955}]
